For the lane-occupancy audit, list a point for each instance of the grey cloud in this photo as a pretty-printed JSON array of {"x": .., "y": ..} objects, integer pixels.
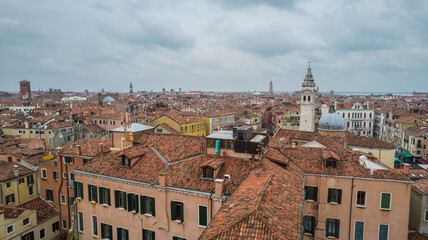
[{"x": 283, "y": 4}]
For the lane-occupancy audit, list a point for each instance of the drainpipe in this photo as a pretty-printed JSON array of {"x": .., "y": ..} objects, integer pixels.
[{"x": 350, "y": 209}]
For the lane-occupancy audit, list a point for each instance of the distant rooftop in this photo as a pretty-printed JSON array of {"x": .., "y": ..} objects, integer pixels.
[
  {"x": 135, "y": 127},
  {"x": 223, "y": 134}
]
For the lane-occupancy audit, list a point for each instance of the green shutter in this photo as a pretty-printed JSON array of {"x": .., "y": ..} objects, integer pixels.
[
  {"x": 339, "y": 200},
  {"x": 108, "y": 198},
  {"x": 135, "y": 198},
  {"x": 75, "y": 189},
  {"x": 110, "y": 228},
  {"x": 306, "y": 192},
  {"x": 153, "y": 206},
  {"x": 304, "y": 223},
  {"x": 153, "y": 234},
  {"x": 142, "y": 204},
  {"x": 173, "y": 216},
  {"x": 116, "y": 198},
  {"x": 90, "y": 192},
  {"x": 182, "y": 212},
  {"x": 129, "y": 201},
  {"x": 126, "y": 235},
  {"x": 327, "y": 223},
  {"x": 329, "y": 195},
  {"x": 119, "y": 233},
  {"x": 386, "y": 200},
  {"x": 315, "y": 194},
  {"x": 95, "y": 194},
  {"x": 102, "y": 200},
  {"x": 203, "y": 216},
  {"x": 81, "y": 189},
  {"x": 337, "y": 228}
]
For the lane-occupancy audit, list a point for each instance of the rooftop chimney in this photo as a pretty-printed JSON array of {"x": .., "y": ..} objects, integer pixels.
[
  {"x": 218, "y": 187},
  {"x": 406, "y": 168},
  {"x": 16, "y": 172},
  {"x": 100, "y": 148},
  {"x": 79, "y": 150},
  {"x": 162, "y": 179}
]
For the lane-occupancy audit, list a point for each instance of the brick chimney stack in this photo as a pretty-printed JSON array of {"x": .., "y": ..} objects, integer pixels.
[
  {"x": 162, "y": 179},
  {"x": 100, "y": 148},
  {"x": 406, "y": 169},
  {"x": 218, "y": 187},
  {"x": 79, "y": 150}
]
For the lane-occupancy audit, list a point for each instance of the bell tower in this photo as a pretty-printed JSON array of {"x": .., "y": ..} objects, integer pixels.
[{"x": 307, "y": 102}]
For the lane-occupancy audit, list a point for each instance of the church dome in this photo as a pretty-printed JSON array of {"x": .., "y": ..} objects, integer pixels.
[
  {"x": 108, "y": 99},
  {"x": 332, "y": 122}
]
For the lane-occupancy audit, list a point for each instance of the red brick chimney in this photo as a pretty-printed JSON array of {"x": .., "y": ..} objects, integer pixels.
[
  {"x": 162, "y": 179},
  {"x": 100, "y": 148},
  {"x": 218, "y": 187},
  {"x": 406, "y": 169},
  {"x": 79, "y": 150}
]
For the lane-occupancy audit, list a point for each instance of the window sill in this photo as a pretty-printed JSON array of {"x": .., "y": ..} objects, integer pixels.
[
  {"x": 148, "y": 214},
  {"x": 105, "y": 205},
  {"x": 333, "y": 203},
  {"x": 308, "y": 234},
  {"x": 331, "y": 237},
  {"x": 202, "y": 226},
  {"x": 360, "y": 206},
  {"x": 178, "y": 221},
  {"x": 93, "y": 202},
  {"x": 385, "y": 209},
  {"x": 310, "y": 200}
]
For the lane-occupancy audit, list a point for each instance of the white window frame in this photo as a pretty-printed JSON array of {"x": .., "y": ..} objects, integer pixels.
[
  {"x": 92, "y": 225},
  {"x": 154, "y": 199},
  {"x": 45, "y": 173},
  {"x": 378, "y": 230},
  {"x": 390, "y": 203},
  {"x": 8, "y": 184},
  {"x": 62, "y": 224},
  {"x": 199, "y": 215},
  {"x": 47, "y": 196},
  {"x": 13, "y": 226},
  {"x": 77, "y": 189},
  {"x": 29, "y": 221},
  {"x": 78, "y": 222},
  {"x": 355, "y": 227},
  {"x": 356, "y": 199},
  {"x": 425, "y": 215},
  {"x": 65, "y": 199},
  {"x": 310, "y": 200},
  {"x": 30, "y": 195},
  {"x": 64, "y": 175},
  {"x": 45, "y": 233}
]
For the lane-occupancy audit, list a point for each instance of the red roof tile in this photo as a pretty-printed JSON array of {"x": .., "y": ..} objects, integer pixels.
[{"x": 45, "y": 210}]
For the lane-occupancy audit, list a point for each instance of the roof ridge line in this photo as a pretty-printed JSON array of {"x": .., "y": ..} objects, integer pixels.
[{"x": 160, "y": 155}]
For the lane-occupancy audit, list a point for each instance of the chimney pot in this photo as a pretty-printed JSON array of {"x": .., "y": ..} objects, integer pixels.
[
  {"x": 218, "y": 187},
  {"x": 162, "y": 179}
]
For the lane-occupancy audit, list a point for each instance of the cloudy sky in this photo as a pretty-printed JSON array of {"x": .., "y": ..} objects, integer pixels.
[{"x": 219, "y": 45}]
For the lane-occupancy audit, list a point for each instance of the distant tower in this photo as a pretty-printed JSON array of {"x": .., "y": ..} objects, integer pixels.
[
  {"x": 307, "y": 102},
  {"x": 179, "y": 90},
  {"x": 86, "y": 92},
  {"x": 102, "y": 90},
  {"x": 163, "y": 91},
  {"x": 331, "y": 94},
  {"x": 25, "y": 90},
  {"x": 131, "y": 88},
  {"x": 270, "y": 88}
]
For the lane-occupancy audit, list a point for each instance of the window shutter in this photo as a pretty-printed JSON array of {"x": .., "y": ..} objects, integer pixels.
[
  {"x": 327, "y": 223},
  {"x": 329, "y": 195},
  {"x": 306, "y": 192},
  {"x": 304, "y": 223},
  {"x": 125, "y": 203},
  {"x": 90, "y": 192},
  {"x": 119, "y": 233},
  {"x": 202, "y": 216},
  {"x": 313, "y": 225},
  {"x": 126, "y": 234},
  {"x": 75, "y": 189},
  {"x": 136, "y": 205},
  {"x": 129, "y": 201},
  {"x": 339, "y": 199},
  {"x": 173, "y": 216},
  {"x": 81, "y": 189},
  {"x": 142, "y": 204},
  {"x": 182, "y": 212},
  {"x": 337, "y": 228},
  {"x": 95, "y": 197},
  {"x": 116, "y": 198},
  {"x": 153, "y": 235},
  {"x": 110, "y": 229},
  {"x": 108, "y": 199},
  {"x": 315, "y": 194},
  {"x": 102, "y": 200},
  {"x": 152, "y": 202}
]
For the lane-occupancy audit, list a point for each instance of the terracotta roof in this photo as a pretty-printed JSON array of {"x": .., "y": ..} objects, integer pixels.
[
  {"x": 89, "y": 147},
  {"x": 266, "y": 205},
  {"x": 45, "y": 210},
  {"x": 355, "y": 140},
  {"x": 416, "y": 236},
  {"x": 288, "y": 137},
  {"x": 213, "y": 163},
  {"x": 167, "y": 127},
  {"x": 11, "y": 212},
  {"x": 421, "y": 185},
  {"x": 7, "y": 170}
]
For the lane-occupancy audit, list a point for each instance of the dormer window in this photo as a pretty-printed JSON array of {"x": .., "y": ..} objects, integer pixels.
[
  {"x": 125, "y": 161},
  {"x": 208, "y": 172},
  {"x": 331, "y": 163}
]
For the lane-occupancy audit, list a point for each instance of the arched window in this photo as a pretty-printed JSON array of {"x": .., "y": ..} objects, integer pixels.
[
  {"x": 304, "y": 98},
  {"x": 309, "y": 98}
]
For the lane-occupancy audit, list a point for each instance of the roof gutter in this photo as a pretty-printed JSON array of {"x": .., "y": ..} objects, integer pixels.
[{"x": 361, "y": 178}]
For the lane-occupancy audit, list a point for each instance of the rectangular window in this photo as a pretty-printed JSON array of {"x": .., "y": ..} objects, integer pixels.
[
  {"x": 148, "y": 234},
  {"x": 78, "y": 190},
  {"x": 311, "y": 193},
  {"x": 92, "y": 193},
  {"x": 332, "y": 227},
  {"x": 68, "y": 159},
  {"x": 64, "y": 224},
  {"x": 85, "y": 161},
  {"x": 55, "y": 175},
  {"x": 30, "y": 180},
  {"x": 25, "y": 222},
  {"x": 309, "y": 225},
  {"x": 334, "y": 195},
  {"x": 64, "y": 174},
  {"x": 94, "y": 226},
  {"x": 361, "y": 198},
  {"x": 104, "y": 196},
  {"x": 203, "y": 216},
  {"x": 8, "y": 185},
  {"x": 147, "y": 205},
  {"x": 178, "y": 238},
  {"x": 120, "y": 199},
  {"x": 55, "y": 226},
  {"x": 133, "y": 203},
  {"x": 80, "y": 221},
  {"x": 383, "y": 231},
  {"x": 44, "y": 174},
  {"x": 385, "y": 201},
  {"x": 426, "y": 216},
  {"x": 30, "y": 191},
  {"x": 359, "y": 230},
  {"x": 10, "y": 229},
  {"x": 63, "y": 199},
  {"x": 106, "y": 231},
  {"x": 49, "y": 195},
  {"x": 10, "y": 199},
  {"x": 72, "y": 176},
  {"x": 21, "y": 181},
  {"x": 177, "y": 211},
  {"x": 122, "y": 234}
]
